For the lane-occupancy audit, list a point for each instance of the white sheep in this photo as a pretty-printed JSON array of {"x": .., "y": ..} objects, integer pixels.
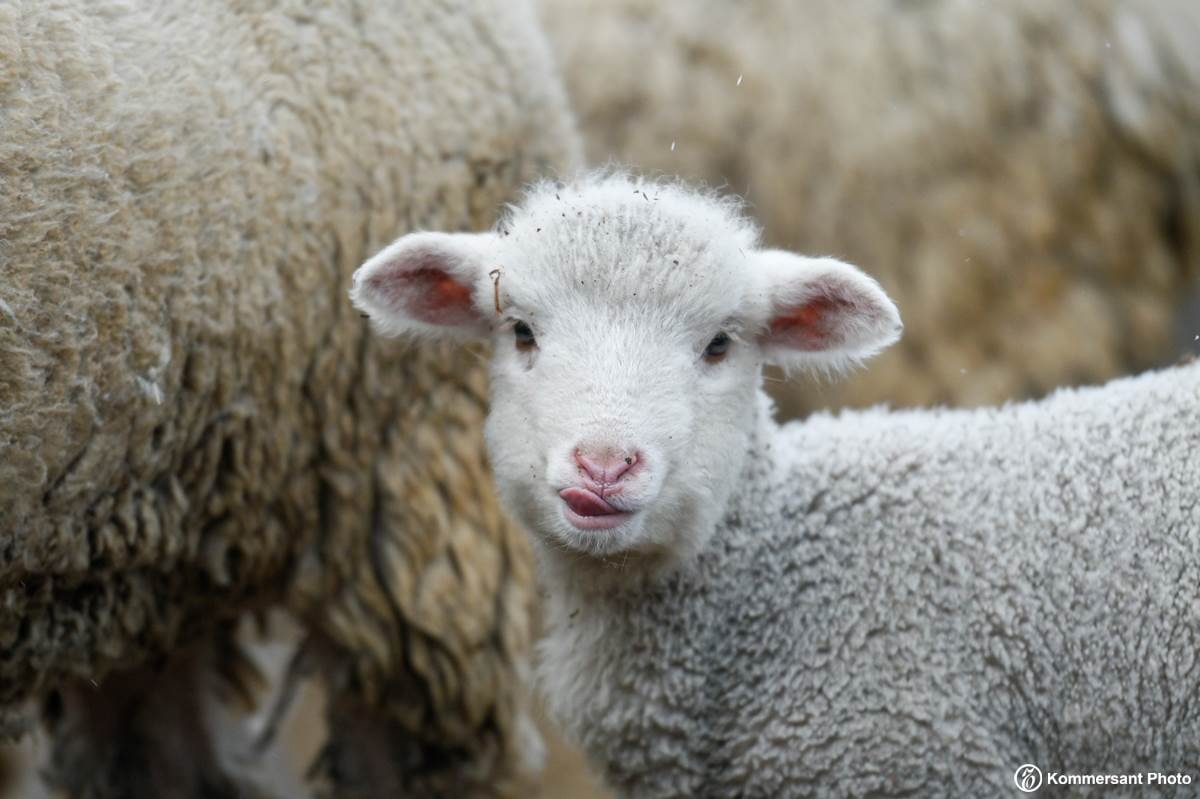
[{"x": 884, "y": 603}]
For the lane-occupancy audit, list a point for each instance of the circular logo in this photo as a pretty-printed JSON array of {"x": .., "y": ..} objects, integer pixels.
[{"x": 1028, "y": 778}]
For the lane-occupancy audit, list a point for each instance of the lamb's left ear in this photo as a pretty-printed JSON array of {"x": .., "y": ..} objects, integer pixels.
[
  {"x": 823, "y": 312},
  {"x": 427, "y": 284}
]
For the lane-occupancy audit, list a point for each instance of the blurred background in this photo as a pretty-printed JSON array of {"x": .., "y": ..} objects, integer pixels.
[{"x": 1022, "y": 176}]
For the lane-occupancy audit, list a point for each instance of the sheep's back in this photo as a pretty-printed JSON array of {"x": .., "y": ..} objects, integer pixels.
[{"x": 923, "y": 601}]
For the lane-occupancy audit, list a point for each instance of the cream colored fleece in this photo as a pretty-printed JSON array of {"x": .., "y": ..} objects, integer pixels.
[{"x": 192, "y": 419}]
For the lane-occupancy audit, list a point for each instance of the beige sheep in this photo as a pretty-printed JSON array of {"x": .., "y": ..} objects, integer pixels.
[
  {"x": 194, "y": 423},
  {"x": 1023, "y": 176}
]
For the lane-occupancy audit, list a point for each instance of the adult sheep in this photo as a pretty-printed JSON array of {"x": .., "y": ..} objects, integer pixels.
[
  {"x": 881, "y": 603},
  {"x": 1021, "y": 176},
  {"x": 192, "y": 423}
]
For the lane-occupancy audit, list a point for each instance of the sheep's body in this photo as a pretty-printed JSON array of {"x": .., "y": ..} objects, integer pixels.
[
  {"x": 191, "y": 421},
  {"x": 877, "y": 604},
  {"x": 1020, "y": 176},
  {"x": 912, "y": 603}
]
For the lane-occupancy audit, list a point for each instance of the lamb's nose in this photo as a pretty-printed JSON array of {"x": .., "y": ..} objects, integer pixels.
[{"x": 607, "y": 466}]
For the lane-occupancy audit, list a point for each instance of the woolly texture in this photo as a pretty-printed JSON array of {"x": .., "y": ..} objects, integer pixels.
[
  {"x": 1020, "y": 176},
  {"x": 912, "y": 603},
  {"x": 877, "y": 604},
  {"x": 192, "y": 418}
]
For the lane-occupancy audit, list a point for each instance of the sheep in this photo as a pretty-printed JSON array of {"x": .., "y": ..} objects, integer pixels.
[
  {"x": 1020, "y": 175},
  {"x": 884, "y": 603},
  {"x": 193, "y": 426}
]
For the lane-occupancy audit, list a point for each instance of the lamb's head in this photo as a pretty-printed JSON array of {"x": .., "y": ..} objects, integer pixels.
[{"x": 630, "y": 320}]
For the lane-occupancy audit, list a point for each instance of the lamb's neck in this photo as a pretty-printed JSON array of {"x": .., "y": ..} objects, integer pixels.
[
  {"x": 581, "y": 578},
  {"x": 758, "y": 458}
]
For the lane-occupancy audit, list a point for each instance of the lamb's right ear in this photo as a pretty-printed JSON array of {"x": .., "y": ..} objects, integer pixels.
[
  {"x": 823, "y": 313},
  {"x": 427, "y": 284}
]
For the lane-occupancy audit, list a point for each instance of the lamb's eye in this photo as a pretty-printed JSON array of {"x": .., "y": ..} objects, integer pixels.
[
  {"x": 718, "y": 348},
  {"x": 524, "y": 336}
]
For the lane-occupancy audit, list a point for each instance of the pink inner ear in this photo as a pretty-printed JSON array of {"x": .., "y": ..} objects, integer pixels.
[
  {"x": 426, "y": 293},
  {"x": 811, "y": 325}
]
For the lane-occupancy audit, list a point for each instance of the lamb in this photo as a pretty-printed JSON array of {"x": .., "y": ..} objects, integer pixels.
[
  {"x": 193, "y": 427},
  {"x": 1021, "y": 175},
  {"x": 880, "y": 603}
]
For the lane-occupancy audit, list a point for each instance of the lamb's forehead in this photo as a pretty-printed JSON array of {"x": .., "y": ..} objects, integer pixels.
[{"x": 611, "y": 237}]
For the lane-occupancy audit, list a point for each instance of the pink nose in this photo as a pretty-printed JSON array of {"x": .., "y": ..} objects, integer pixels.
[{"x": 607, "y": 467}]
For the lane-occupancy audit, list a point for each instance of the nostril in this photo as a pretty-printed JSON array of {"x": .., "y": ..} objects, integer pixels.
[
  {"x": 620, "y": 467},
  {"x": 590, "y": 467},
  {"x": 609, "y": 467}
]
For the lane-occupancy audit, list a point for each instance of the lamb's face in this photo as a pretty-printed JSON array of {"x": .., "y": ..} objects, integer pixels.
[
  {"x": 624, "y": 375},
  {"x": 629, "y": 323}
]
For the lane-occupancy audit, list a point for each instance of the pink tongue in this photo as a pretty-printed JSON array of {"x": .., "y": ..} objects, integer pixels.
[{"x": 585, "y": 503}]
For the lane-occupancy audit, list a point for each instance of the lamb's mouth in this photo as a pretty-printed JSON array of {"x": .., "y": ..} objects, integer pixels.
[{"x": 587, "y": 510}]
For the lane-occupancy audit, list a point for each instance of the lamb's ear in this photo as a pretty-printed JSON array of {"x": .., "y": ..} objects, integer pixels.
[
  {"x": 427, "y": 284},
  {"x": 823, "y": 313}
]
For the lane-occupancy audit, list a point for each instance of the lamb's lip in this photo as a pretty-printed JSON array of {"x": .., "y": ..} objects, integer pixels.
[{"x": 588, "y": 510}]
